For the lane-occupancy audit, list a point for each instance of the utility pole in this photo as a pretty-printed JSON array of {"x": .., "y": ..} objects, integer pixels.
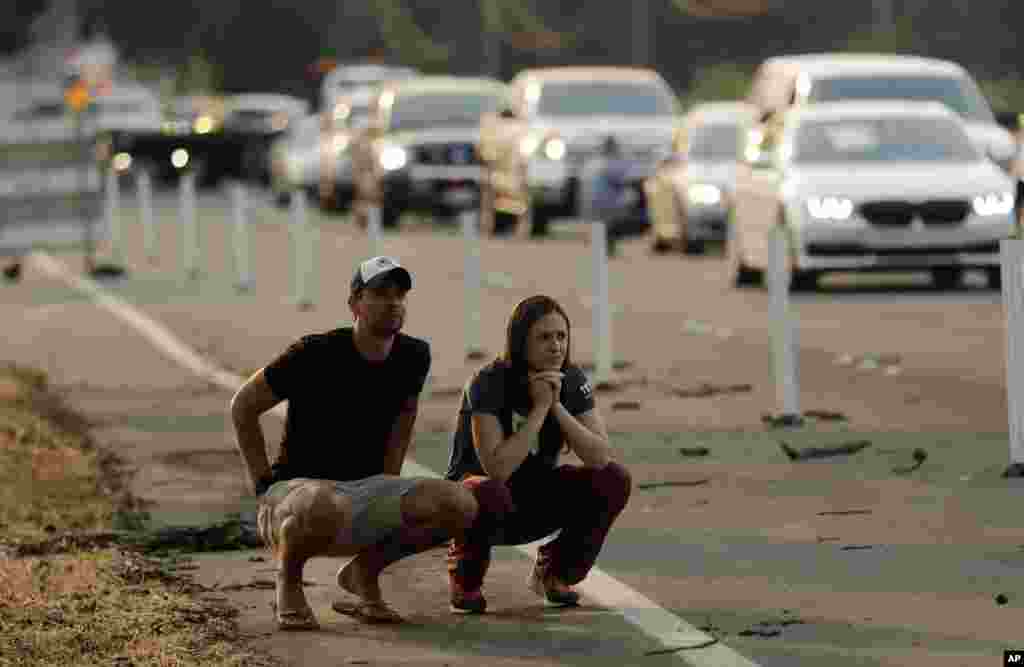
[
  {"x": 642, "y": 34},
  {"x": 884, "y": 15},
  {"x": 490, "y": 33}
]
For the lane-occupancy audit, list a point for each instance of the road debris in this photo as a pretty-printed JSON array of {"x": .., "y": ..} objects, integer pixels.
[
  {"x": 678, "y": 483},
  {"x": 826, "y": 415},
  {"x": 920, "y": 456},
  {"x": 844, "y": 449},
  {"x": 782, "y": 421},
  {"x": 706, "y": 389}
]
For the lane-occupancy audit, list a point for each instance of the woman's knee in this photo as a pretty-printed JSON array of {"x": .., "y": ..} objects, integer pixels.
[
  {"x": 492, "y": 497},
  {"x": 614, "y": 483}
]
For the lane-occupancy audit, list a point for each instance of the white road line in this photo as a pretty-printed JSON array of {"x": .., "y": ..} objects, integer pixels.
[{"x": 658, "y": 623}]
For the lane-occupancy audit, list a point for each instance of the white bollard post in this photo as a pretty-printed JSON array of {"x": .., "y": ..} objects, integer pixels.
[
  {"x": 144, "y": 192},
  {"x": 472, "y": 281},
  {"x": 373, "y": 229},
  {"x": 301, "y": 250},
  {"x": 781, "y": 326},
  {"x": 600, "y": 307},
  {"x": 189, "y": 226},
  {"x": 1011, "y": 258},
  {"x": 111, "y": 211},
  {"x": 240, "y": 236}
]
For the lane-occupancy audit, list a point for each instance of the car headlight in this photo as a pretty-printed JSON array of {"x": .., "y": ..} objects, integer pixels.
[
  {"x": 529, "y": 144},
  {"x": 552, "y": 148},
  {"x": 179, "y": 158},
  {"x": 703, "y": 194},
  {"x": 994, "y": 203},
  {"x": 393, "y": 158},
  {"x": 203, "y": 125},
  {"x": 830, "y": 208},
  {"x": 122, "y": 162}
]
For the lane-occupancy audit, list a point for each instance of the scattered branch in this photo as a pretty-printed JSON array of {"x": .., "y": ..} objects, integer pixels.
[{"x": 807, "y": 453}]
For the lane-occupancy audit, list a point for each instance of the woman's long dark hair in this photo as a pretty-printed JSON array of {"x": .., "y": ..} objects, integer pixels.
[{"x": 523, "y": 316}]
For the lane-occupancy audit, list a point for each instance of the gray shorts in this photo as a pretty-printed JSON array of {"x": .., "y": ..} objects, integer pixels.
[{"x": 376, "y": 503}]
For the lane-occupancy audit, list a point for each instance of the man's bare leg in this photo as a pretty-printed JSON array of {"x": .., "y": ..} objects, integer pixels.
[
  {"x": 312, "y": 520},
  {"x": 431, "y": 512}
]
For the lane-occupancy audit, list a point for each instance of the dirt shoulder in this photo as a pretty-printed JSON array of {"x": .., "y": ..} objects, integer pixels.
[{"x": 71, "y": 593}]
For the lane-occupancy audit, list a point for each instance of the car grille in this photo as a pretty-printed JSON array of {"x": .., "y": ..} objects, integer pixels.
[
  {"x": 901, "y": 213},
  {"x": 457, "y": 154},
  {"x": 822, "y": 249}
]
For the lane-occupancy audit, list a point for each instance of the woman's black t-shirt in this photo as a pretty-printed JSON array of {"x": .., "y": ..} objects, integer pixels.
[
  {"x": 341, "y": 406},
  {"x": 494, "y": 390}
]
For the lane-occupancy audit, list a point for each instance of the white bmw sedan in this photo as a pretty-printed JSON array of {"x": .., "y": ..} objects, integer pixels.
[{"x": 870, "y": 186}]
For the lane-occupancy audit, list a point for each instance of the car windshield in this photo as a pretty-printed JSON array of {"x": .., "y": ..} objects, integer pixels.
[
  {"x": 897, "y": 139},
  {"x": 958, "y": 93},
  {"x": 415, "y": 111},
  {"x": 714, "y": 142},
  {"x": 584, "y": 98}
]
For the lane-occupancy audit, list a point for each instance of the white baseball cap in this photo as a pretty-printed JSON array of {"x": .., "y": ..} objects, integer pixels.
[{"x": 375, "y": 270}]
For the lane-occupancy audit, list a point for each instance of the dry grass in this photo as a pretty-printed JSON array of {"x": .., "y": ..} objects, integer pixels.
[
  {"x": 50, "y": 473},
  {"x": 91, "y": 604}
]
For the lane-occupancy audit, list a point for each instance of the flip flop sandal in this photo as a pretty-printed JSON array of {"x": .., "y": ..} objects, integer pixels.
[
  {"x": 367, "y": 611},
  {"x": 295, "y": 620}
]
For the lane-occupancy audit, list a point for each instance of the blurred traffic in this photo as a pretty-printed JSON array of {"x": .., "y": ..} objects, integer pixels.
[{"x": 870, "y": 162}]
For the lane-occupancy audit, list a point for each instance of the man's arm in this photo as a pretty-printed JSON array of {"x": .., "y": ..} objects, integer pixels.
[
  {"x": 251, "y": 400},
  {"x": 400, "y": 436}
]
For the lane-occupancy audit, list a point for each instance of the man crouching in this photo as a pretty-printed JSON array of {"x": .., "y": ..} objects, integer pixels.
[{"x": 334, "y": 489}]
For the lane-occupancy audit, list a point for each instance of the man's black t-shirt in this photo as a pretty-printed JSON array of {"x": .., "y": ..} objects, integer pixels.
[
  {"x": 342, "y": 407},
  {"x": 495, "y": 391}
]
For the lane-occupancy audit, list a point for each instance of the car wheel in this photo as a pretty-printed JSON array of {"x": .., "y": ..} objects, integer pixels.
[
  {"x": 692, "y": 247},
  {"x": 994, "y": 277},
  {"x": 661, "y": 246},
  {"x": 947, "y": 277},
  {"x": 283, "y": 198},
  {"x": 743, "y": 274},
  {"x": 504, "y": 223},
  {"x": 390, "y": 216},
  {"x": 540, "y": 222},
  {"x": 801, "y": 280},
  {"x": 747, "y": 276}
]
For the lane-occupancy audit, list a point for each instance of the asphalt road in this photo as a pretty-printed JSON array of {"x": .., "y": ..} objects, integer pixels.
[{"x": 744, "y": 552}]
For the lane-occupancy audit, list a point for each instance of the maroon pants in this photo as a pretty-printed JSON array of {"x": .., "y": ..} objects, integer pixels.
[{"x": 580, "y": 502}]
